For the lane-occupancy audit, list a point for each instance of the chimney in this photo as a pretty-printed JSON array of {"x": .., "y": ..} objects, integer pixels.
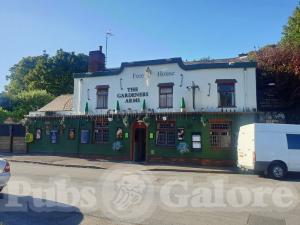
[{"x": 96, "y": 61}]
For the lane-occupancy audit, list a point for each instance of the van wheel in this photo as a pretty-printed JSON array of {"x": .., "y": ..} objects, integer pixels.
[{"x": 277, "y": 170}]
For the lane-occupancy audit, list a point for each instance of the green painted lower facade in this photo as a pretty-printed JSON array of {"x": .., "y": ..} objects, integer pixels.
[{"x": 198, "y": 123}]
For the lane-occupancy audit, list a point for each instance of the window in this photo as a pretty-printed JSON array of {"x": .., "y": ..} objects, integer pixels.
[
  {"x": 166, "y": 95},
  {"x": 166, "y": 134},
  {"x": 102, "y": 98},
  {"x": 220, "y": 135},
  {"x": 226, "y": 93},
  {"x": 101, "y": 132},
  {"x": 293, "y": 141}
]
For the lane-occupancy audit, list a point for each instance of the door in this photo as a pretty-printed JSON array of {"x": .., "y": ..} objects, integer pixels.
[
  {"x": 245, "y": 147},
  {"x": 139, "y": 142}
]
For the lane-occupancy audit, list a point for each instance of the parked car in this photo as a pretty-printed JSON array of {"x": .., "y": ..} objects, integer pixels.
[
  {"x": 270, "y": 148},
  {"x": 4, "y": 173}
]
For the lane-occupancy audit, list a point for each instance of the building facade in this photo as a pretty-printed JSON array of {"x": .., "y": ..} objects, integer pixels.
[{"x": 162, "y": 110}]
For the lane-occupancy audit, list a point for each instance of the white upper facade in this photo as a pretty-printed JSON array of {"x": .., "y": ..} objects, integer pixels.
[{"x": 135, "y": 82}]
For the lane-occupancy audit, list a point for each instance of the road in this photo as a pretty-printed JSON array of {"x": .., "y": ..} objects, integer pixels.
[{"x": 128, "y": 194}]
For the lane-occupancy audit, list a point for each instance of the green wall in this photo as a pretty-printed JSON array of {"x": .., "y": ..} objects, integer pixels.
[{"x": 189, "y": 122}]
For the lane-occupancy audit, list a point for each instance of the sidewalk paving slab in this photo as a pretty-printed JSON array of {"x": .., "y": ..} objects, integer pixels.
[{"x": 98, "y": 163}]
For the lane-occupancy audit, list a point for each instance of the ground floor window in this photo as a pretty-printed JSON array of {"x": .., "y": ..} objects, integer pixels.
[
  {"x": 166, "y": 134},
  {"x": 101, "y": 132},
  {"x": 220, "y": 135}
]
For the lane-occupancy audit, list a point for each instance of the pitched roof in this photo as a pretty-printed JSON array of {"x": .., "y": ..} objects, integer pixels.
[{"x": 61, "y": 103}]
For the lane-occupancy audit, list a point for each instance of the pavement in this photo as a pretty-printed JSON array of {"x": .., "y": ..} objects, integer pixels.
[{"x": 97, "y": 163}]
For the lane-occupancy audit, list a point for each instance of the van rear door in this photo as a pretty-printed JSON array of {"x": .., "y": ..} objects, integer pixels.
[{"x": 246, "y": 146}]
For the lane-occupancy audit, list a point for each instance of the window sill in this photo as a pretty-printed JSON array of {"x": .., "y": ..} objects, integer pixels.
[
  {"x": 165, "y": 107},
  {"x": 166, "y": 146},
  {"x": 101, "y": 108},
  {"x": 226, "y": 107},
  {"x": 221, "y": 149}
]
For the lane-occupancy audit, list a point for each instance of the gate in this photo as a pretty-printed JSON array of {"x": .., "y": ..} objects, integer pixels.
[{"x": 12, "y": 138}]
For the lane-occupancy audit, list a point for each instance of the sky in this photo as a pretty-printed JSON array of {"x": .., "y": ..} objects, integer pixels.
[{"x": 143, "y": 29}]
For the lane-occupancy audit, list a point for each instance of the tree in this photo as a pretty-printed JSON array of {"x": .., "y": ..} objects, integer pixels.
[
  {"x": 55, "y": 74},
  {"x": 291, "y": 31},
  {"x": 17, "y": 74},
  {"x": 3, "y": 115},
  {"x": 27, "y": 101},
  {"x": 282, "y": 64},
  {"x": 5, "y": 101}
]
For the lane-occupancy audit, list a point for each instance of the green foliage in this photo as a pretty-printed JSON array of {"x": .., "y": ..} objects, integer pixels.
[
  {"x": 34, "y": 81},
  {"x": 291, "y": 32},
  {"x": 27, "y": 101},
  {"x": 5, "y": 101},
  {"x": 3, "y": 115},
  {"x": 55, "y": 74},
  {"x": 282, "y": 65},
  {"x": 17, "y": 74}
]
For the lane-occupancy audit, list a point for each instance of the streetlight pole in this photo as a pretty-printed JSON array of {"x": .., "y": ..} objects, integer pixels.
[{"x": 106, "y": 39}]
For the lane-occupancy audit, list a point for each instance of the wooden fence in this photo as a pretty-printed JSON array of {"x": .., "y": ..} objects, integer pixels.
[{"x": 12, "y": 138}]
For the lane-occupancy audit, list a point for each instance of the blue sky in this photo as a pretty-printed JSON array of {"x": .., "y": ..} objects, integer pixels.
[{"x": 143, "y": 29}]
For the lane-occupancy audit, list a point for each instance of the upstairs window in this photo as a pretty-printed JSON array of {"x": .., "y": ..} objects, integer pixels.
[
  {"x": 166, "y": 95},
  {"x": 226, "y": 93},
  {"x": 220, "y": 135},
  {"x": 102, "y": 96},
  {"x": 166, "y": 134},
  {"x": 101, "y": 132}
]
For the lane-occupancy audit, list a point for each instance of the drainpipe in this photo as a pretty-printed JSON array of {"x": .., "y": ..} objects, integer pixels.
[
  {"x": 79, "y": 96},
  {"x": 245, "y": 90}
]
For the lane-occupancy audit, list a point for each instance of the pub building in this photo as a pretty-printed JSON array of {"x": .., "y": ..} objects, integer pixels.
[{"x": 164, "y": 110}]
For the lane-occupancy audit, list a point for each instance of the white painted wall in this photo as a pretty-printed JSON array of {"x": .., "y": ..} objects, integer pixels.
[{"x": 245, "y": 88}]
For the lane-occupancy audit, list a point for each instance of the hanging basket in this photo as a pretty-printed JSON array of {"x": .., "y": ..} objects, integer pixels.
[
  {"x": 146, "y": 120},
  {"x": 126, "y": 121},
  {"x": 28, "y": 138}
]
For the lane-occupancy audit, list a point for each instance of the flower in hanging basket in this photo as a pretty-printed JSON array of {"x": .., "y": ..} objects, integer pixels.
[{"x": 28, "y": 137}]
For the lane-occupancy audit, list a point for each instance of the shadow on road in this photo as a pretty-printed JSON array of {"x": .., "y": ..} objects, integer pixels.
[{"x": 25, "y": 210}]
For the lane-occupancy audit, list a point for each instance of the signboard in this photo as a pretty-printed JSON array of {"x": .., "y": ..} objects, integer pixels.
[
  {"x": 85, "y": 136},
  {"x": 196, "y": 141},
  {"x": 132, "y": 95},
  {"x": 53, "y": 136}
]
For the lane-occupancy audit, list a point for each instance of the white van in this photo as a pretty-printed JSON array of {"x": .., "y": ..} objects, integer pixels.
[{"x": 270, "y": 148}]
